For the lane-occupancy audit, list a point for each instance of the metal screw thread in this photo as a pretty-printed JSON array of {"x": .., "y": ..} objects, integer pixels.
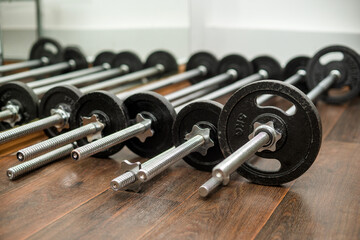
[
  {"x": 30, "y": 128},
  {"x": 26, "y": 167},
  {"x": 209, "y": 186},
  {"x": 156, "y": 165},
  {"x": 108, "y": 141},
  {"x": 122, "y": 181},
  {"x": 52, "y": 143},
  {"x": 6, "y": 114}
]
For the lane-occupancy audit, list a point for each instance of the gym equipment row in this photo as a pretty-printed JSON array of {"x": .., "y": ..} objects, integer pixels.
[{"x": 189, "y": 123}]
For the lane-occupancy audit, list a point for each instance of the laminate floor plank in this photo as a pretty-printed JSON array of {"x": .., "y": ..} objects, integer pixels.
[{"x": 324, "y": 203}]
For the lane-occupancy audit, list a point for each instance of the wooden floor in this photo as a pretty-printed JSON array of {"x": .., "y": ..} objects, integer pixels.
[{"x": 72, "y": 200}]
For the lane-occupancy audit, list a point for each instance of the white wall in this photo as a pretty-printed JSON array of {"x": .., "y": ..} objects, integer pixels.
[
  {"x": 95, "y": 25},
  {"x": 282, "y": 28}
]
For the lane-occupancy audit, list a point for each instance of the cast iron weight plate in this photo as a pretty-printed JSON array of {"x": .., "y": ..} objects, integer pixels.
[
  {"x": 237, "y": 63},
  {"x": 104, "y": 57},
  {"x": 293, "y": 66},
  {"x": 162, "y": 114},
  {"x": 61, "y": 96},
  {"x": 349, "y": 68},
  {"x": 129, "y": 59},
  {"x": 301, "y": 133},
  {"x": 164, "y": 58},
  {"x": 202, "y": 59},
  {"x": 24, "y": 97},
  {"x": 204, "y": 114},
  {"x": 47, "y": 47},
  {"x": 74, "y": 53},
  {"x": 110, "y": 111},
  {"x": 269, "y": 64}
]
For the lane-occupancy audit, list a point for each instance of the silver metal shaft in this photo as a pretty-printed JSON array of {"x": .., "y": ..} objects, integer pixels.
[
  {"x": 209, "y": 186},
  {"x": 6, "y": 114},
  {"x": 148, "y": 72},
  {"x": 323, "y": 86},
  {"x": 65, "y": 76},
  {"x": 294, "y": 79},
  {"x": 29, "y": 128},
  {"x": 235, "y": 160},
  {"x": 20, "y": 65},
  {"x": 28, "y": 166},
  {"x": 201, "y": 85},
  {"x": 262, "y": 74},
  {"x": 129, "y": 177},
  {"x": 193, "y": 96},
  {"x": 156, "y": 165},
  {"x": 221, "y": 172},
  {"x": 52, "y": 143},
  {"x": 199, "y": 71},
  {"x": 110, "y": 140},
  {"x": 36, "y": 72},
  {"x": 85, "y": 79}
]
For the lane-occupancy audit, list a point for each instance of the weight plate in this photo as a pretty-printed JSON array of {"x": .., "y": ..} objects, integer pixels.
[
  {"x": 61, "y": 96},
  {"x": 110, "y": 111},
  {"x": 268, "y": 64},
  {"x": 24, "y": 97},
  {"x": 104, "y": 57},
  {"x": 129, "y": 59},
  {"x": 162, "y": 113},
  {"x": 293, "y": 66},
  {"x": 237, "y": 63},
  {"x": 164, "y": 58},
  {"x": 301, "y": 132},
  {"x": 74, "y": 53},
  {"x": 204, "y": 114},
  {"x": 205, "y": 59},
  {"x": 349, "y": 67},
  {"x": 49, "y": 48}
]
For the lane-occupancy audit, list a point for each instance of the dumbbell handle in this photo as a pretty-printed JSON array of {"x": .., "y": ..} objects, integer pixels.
[
  {"x": 86, "y": 79},
  {"x": 235, "y": 160},
  {"x": 230, "y": 74},
  {"x": 58, "y": 141},
  {"x": 322, "y": 86},
  {"x": 65, "y": 76},
  {"x": 38, "y": 71},
  {"x": 21, "y": 65},
  {"x": 28, "y": 166},
  {"x": 199, "y": 71},
  {"x": 29, "y": 128},
  {"x": 147, "y": 72},
  {"x": 110, "y": 140}
]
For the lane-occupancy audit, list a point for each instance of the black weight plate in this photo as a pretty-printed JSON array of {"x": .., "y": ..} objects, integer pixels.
[
  {"x": 104, "y": 57},
  {"x": 24, "y": 97},
  {"x": 301, "y": 133},
  {"x": 237, "y": 63},
  {"x": 205, "y": 59},
  {"x": 293, "y": 66},
  {"x": 64, "y": 96},
  {"x": 164, "y": 58},
  {"x": 349, "y": 68},
  {"x": 108, "y": 108},
  {"x": 49, "y": 48},
  {"x": 205, "y": 114},
  {"x": 162, "y": 113},
  {"x": 268, "y": 64},
  {"x": 129, "y": 59},
  {"x": 74, "y": 53}
]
